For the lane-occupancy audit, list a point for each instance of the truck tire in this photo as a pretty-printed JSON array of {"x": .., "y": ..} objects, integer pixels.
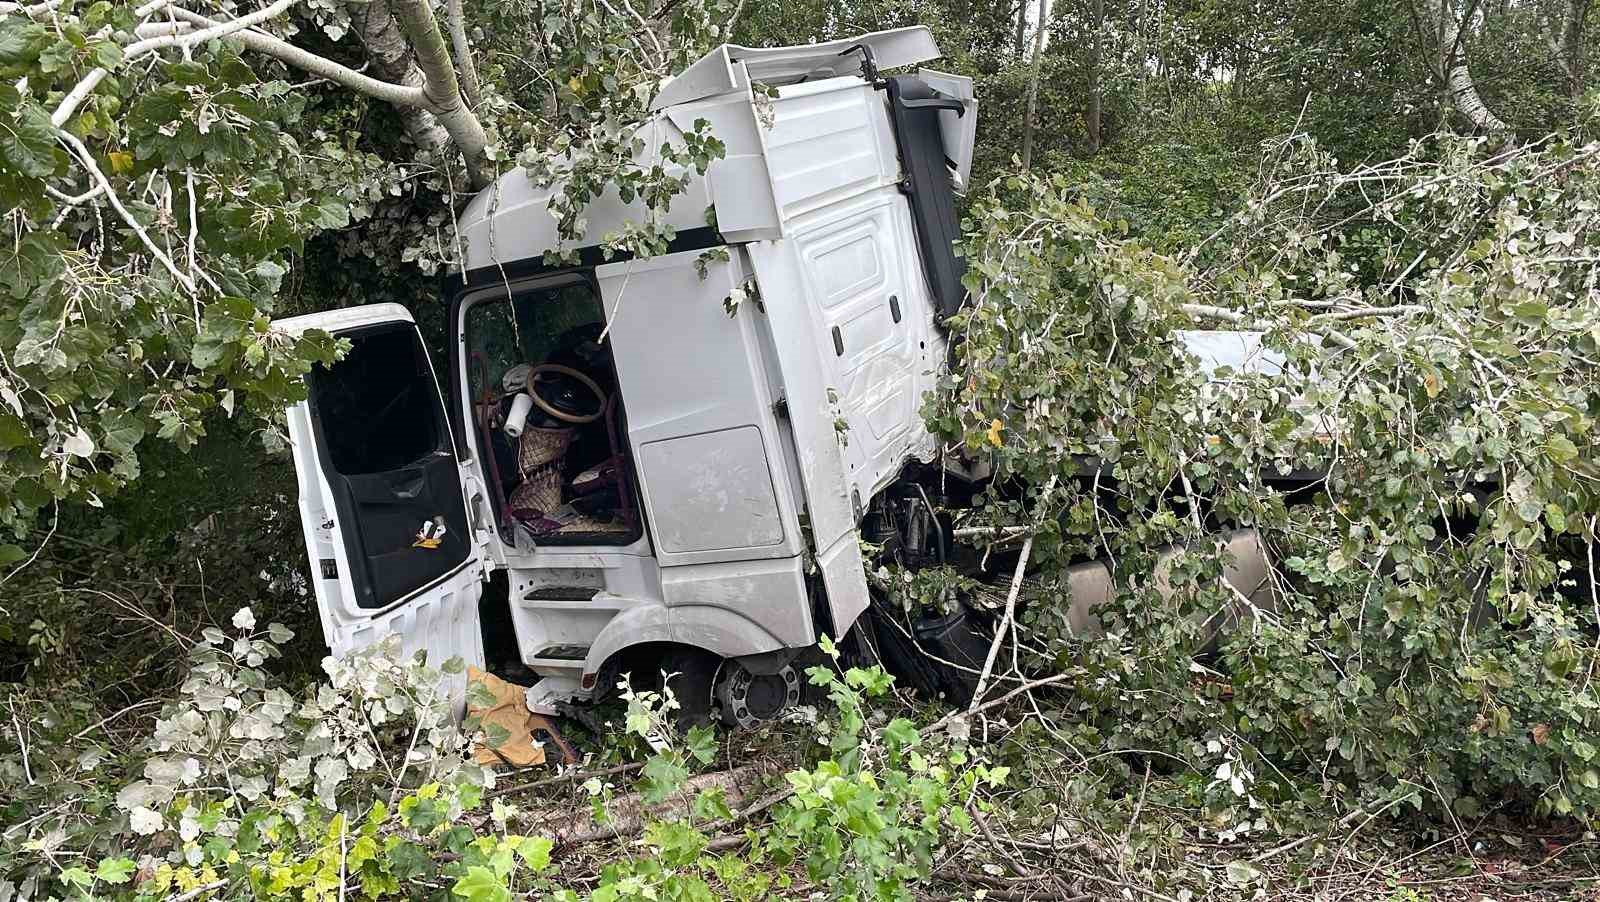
[{"x": 690, "y": 674}]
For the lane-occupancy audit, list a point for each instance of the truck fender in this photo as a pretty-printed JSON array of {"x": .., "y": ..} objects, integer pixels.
[{"x": 718, "y": 630}]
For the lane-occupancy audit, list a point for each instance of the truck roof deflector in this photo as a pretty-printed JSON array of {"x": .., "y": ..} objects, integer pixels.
[{"x": 716, "y": 72}]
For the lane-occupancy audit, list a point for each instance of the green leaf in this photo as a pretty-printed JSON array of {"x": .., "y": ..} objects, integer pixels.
[
  {"x": 1561, "y": 449},
  {"x": 20, "y": 40},
  {"x": 407, "y": 860},
  {"x": 1243, "y": 873},
  {"x": 13, "y": 432},
  {"x": 712, "y": 804},
  {"x": 115, "y": 870},
  {"x": 828, "y": 648},
  {"x": 701, "y": 743},
  {"x": 28, "y": 142},
  {"x": 29, "y": 265},
  {"x": 77, "y": 877},
  {"x": 496, "y": 735},
  {"x": 535, "y": 853},
  {"x": 480, "y": 884},
  {"x": 661, "y": 778},
  {"x": 123, "y": 431},
  {"x": 480, "y": 695},
  {"x": 900, "y": 734}
]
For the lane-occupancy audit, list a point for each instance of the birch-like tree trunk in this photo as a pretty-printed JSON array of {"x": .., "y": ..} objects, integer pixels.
[
  {"x": 390, "y": 57},
  {"x": 1092, "y": 111},
  {"x": 1565, "y": 37},
  {"x": 1033, "y": 84},
  {"x": 1461, "y": 90},
  {"x": 442, "y": 89},
  {"x": 405, "y": 47}
]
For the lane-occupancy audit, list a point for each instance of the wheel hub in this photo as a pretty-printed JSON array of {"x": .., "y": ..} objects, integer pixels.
[{"x": 750, "y": 699}]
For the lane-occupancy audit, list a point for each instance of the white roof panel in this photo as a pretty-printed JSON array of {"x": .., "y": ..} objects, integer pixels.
[{"x": 718, "y": 71}]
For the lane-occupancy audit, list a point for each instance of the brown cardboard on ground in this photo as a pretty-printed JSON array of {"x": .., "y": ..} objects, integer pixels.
[{"x": 509, "y": 710}]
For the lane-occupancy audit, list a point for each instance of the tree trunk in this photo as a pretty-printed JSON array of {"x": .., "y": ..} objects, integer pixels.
[
  {"x": 1091, "y": 116},
  {"x": 407, "y": 50},
  {"x": 1022, "y": 27},
  {"x": 390, "y": 56},
  {"x": 468, "y": 68},
  {"x": 442, "y": 89},
  {"x": 1463, "y": 93},
  {"x": 1033, "y": 85},
  {"x": 1574, "y": 49}
]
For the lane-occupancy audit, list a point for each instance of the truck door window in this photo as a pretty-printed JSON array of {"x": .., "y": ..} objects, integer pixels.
[{"x": 378, "y": 406}]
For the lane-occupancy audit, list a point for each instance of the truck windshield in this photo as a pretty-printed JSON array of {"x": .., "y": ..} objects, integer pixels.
[{"x": 535, "y": 325}]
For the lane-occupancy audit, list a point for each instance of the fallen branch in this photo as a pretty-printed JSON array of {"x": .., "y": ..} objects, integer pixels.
[
  {"x": 22, "y": 745},
  {"x": 1207, "y": 311},
  {"x": 998, "y": 888},
  {"x": 463, "y": 53},
  {"x": 1005, "y": 625},
  {"x": 285, "y": 52},
  {"x": 986, "y": 532},
  {"x": 1015, "y": 866},
  {"x": 567, "y": 777},
  {"x": 1395, "y": 310},
  {"x": 946, "y": 720},
  {"x": 629, "y": 815},
  {"x": 30, "y": 10},
  {"x": 86, "y": 158},
  {"x": 86, "y": 85}
]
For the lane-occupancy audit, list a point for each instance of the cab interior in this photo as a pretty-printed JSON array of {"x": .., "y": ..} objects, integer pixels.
[{"x": 544, "y": 402}]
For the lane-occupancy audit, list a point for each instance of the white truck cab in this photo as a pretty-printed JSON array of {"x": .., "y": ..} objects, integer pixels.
[{"x": 655, "y": 470}]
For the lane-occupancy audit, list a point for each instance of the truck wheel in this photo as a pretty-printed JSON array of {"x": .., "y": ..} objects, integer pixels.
[{"x": 691, "y": 672}]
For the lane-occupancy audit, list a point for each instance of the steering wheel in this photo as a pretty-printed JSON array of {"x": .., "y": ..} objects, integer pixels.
[{"x": 564, "y": 384}]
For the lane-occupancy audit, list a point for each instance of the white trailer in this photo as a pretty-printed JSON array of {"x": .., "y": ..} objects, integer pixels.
[{"x": 664, "y": 484}]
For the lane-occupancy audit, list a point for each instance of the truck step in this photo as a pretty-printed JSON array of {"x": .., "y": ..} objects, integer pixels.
[
  {"x": 562, "y": 653},
  {"x": 562, "y": 593}
]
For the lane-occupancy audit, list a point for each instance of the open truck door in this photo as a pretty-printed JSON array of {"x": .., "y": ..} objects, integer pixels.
[{"x": 381, "y": 502}]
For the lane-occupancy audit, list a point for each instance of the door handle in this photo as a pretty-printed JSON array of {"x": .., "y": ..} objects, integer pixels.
[{"x": 838, "y": 342}]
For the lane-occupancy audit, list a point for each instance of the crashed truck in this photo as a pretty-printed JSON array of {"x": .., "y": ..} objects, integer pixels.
[{"x": 621, "y": 472}]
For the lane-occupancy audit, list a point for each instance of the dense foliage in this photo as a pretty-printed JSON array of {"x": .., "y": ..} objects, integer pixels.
[
  {"x": 1437, "y": 322},
  {"x": 363, "y": 785},
  {"x": 1423, "y": 271}
]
